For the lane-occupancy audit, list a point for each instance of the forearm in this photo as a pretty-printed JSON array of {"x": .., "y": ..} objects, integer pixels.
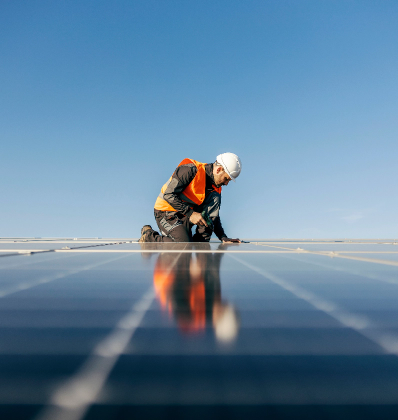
[
  {"x": 174, "y": 200},
  {"x": 218, "y": 229},
  {"x": 181, "y": 178}
]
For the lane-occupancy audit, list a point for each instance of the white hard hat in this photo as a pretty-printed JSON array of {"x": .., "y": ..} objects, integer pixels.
[{"x": 231, "y": 164}]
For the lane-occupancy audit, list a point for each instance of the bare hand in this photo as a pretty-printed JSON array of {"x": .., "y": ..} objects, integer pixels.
[
  {"x": 197, "y": 219},
  {"x": 231, "y": 241}
]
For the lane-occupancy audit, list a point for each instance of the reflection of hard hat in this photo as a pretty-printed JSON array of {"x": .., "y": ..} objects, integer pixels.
[
  {"x": 231, "y": 164},
  {"x": 195, "y": 270},
  {"x": 226, "y": 323}
]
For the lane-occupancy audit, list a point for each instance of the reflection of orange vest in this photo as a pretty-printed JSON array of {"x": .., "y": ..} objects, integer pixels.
[
  {"x": 197, "y": 302},
  {"x": 163, "y": 279},
  {"x": 194, "y": 193}
]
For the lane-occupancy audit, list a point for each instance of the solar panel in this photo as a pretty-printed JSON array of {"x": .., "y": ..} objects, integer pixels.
[{"x": 115, "y": 329}]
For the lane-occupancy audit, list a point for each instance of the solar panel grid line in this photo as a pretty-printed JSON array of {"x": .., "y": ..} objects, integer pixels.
[
  {"x": 78, "y": 241},
  {"x": 359, "y": 252},
  {"x": 28, "y": 251},
  {"x": 370, "y": 260},
  {"x": 12, "y": 253},
  {"x": 352, "y": 242},
  {"x": 323, "y": 242},
  {"x": 330, "y": 254},
  {"x": 95, "y": 245},
  {"x": 40, "y": 247},
  {"x": 177, "y": 251},
  {"x": 69, "y": 251},
  {"x": 22, "y": 252},
  {"x": 47, "y": 279},
  {"x": 74, "y": 398},
  {"x": 333, "y": 254},
  {"x": 363, "y": 325},
  {"x": 383, "y": 247},
  {"x": 28, "y": 261},
  {"x": 366, "y": 274}
]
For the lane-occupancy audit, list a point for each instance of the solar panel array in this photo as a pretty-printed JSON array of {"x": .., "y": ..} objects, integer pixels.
[{"x": 114, "y": 329}]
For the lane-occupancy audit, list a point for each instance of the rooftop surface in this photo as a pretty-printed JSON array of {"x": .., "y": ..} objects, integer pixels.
[{"x": 112, "y": 329}]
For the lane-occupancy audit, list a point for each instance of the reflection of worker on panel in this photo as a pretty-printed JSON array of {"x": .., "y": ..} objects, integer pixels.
[
  {"x": 191, "y": 293},
  {"x": 192, "y": 196}
]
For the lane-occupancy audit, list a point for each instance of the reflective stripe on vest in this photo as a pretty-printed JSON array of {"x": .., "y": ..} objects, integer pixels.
[{"x": 193, "y": 194}]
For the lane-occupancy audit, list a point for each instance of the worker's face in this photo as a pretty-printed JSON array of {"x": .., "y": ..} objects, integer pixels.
[{"x": 221, "y": 177}]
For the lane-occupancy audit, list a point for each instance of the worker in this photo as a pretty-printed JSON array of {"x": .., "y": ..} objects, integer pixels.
[{"x": 192, "y": 196}]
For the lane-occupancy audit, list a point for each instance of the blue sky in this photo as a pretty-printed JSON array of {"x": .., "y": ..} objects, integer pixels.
[{"x": 102, "y": 99}]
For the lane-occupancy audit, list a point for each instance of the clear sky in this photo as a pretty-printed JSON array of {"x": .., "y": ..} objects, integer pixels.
[{"x": 100, "y": 101}]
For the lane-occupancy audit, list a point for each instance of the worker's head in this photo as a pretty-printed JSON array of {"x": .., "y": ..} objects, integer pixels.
[
  {"x": 231, "y": 166},
  {"x": 220, "y": 176}
]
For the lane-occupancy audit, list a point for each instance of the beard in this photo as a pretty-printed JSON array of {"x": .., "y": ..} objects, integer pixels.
[{"x": 217, "y": 181}]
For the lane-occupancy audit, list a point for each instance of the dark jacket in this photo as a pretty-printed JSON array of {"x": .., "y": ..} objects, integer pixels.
[{"x": 181, "y": 178}]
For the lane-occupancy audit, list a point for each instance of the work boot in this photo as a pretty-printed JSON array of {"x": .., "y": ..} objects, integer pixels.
[{"x": 145, "y": 231}]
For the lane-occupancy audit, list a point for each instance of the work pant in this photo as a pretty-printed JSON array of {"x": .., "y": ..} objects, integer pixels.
[{"x": 175, "y": 227}]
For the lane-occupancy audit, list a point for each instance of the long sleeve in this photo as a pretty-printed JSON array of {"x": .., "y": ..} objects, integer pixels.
[
  {"x": 181, "y": 178},
  {"x": 218, "y": 229}
]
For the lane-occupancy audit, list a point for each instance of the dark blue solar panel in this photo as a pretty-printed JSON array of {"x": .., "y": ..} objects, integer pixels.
[{"x": 188, "y": 330}]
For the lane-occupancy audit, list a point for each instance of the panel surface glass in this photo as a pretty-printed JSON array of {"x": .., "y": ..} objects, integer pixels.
[{"x": 197, "y": 329}]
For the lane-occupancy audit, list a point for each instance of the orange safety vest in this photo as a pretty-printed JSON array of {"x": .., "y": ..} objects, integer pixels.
[{"x": 194, "y": 193}]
